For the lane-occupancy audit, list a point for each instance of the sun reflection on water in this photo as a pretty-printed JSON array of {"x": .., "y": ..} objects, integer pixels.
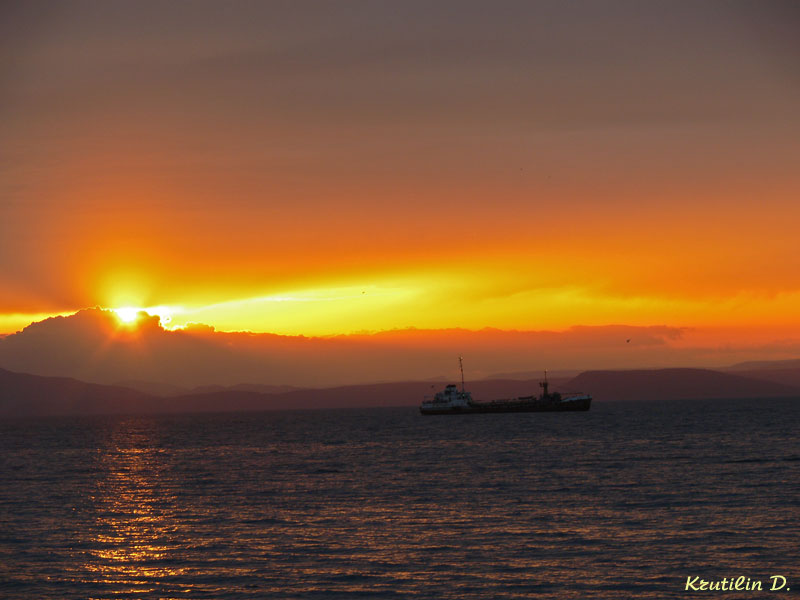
[{"x": 135, "y": 525}]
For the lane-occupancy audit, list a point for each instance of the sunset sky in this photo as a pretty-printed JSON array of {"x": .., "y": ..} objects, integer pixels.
[{"x": 324, "y": 168}]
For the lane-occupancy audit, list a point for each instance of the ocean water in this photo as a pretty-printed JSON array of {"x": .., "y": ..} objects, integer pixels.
[{"x": 625, "y": 501}]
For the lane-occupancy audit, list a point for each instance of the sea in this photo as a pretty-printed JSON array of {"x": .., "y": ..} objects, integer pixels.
[{"x": 628, "y": 500}]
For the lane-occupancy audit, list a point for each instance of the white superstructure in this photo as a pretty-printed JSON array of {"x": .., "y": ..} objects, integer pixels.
[{"x": 449, "y": 398}]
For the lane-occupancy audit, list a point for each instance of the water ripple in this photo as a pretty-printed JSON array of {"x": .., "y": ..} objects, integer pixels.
[{"x": 622, "y": 502}]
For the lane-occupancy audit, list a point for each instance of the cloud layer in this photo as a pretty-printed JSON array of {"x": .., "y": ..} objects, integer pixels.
[{"x": 93, "y": 345}]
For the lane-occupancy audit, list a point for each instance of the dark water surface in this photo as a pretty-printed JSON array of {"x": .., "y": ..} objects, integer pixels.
[{"x": 625, "y": 501}]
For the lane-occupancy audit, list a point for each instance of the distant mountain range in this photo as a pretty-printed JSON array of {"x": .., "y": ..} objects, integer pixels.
[
  {"x": 23, "y": 394},
  {"x": 765, "y": 365},
  {"x": 168, "y": 390},
  {"x": 31, "y": 395},
  {"x": 675, "y": 384},
  {"x": 531, "y": 375}
]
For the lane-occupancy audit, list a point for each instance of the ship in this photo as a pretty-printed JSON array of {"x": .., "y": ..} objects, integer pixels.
[{"x": 452, "y": 401}]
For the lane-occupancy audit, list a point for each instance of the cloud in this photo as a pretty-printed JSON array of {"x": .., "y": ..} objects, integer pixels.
[{"x": 94, "y": 345}]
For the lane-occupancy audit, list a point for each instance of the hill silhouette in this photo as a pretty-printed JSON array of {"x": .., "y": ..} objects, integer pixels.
[
  {"x": 757, "y": 365},
  {"x": 789, "y": 377},
  {"x": 22, "y": 394},
  {"x": 675, "y": 384},
  {"x": 32, "y": 395}
]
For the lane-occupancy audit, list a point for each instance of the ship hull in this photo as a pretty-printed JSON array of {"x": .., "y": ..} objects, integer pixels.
[{"x": 512, "y": 406}]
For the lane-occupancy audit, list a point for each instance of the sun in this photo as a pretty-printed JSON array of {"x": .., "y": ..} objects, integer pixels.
[{"x": 128, "y": 314}]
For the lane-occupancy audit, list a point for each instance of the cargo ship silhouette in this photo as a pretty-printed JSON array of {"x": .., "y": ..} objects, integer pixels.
[{"x": 452, "y": 401}]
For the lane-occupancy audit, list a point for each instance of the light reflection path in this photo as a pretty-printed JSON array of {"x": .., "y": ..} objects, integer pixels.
[{"x": 135, "y": 515}]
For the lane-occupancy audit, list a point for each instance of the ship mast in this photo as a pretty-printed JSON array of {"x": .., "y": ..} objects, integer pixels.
[
  {"x": 461, "y": 366},
  {"x": 543, "y": 384}
]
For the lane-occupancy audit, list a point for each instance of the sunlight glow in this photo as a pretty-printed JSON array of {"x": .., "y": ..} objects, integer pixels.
[
  {"x": 439, "y": 300},
  {"x": 128, "y": 315},
  {"x": 313, "y": 311}
]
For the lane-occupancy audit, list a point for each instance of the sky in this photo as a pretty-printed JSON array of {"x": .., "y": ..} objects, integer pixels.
[{"x": 322, "y": 169}]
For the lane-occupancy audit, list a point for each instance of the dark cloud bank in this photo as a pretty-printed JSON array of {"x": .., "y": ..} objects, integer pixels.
[
  {"x": 92, "y": 346},
  {"x": 57, "y": 366}
]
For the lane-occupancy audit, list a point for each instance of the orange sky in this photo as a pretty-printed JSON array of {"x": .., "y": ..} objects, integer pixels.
[{"x": 319, "y": 170}]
